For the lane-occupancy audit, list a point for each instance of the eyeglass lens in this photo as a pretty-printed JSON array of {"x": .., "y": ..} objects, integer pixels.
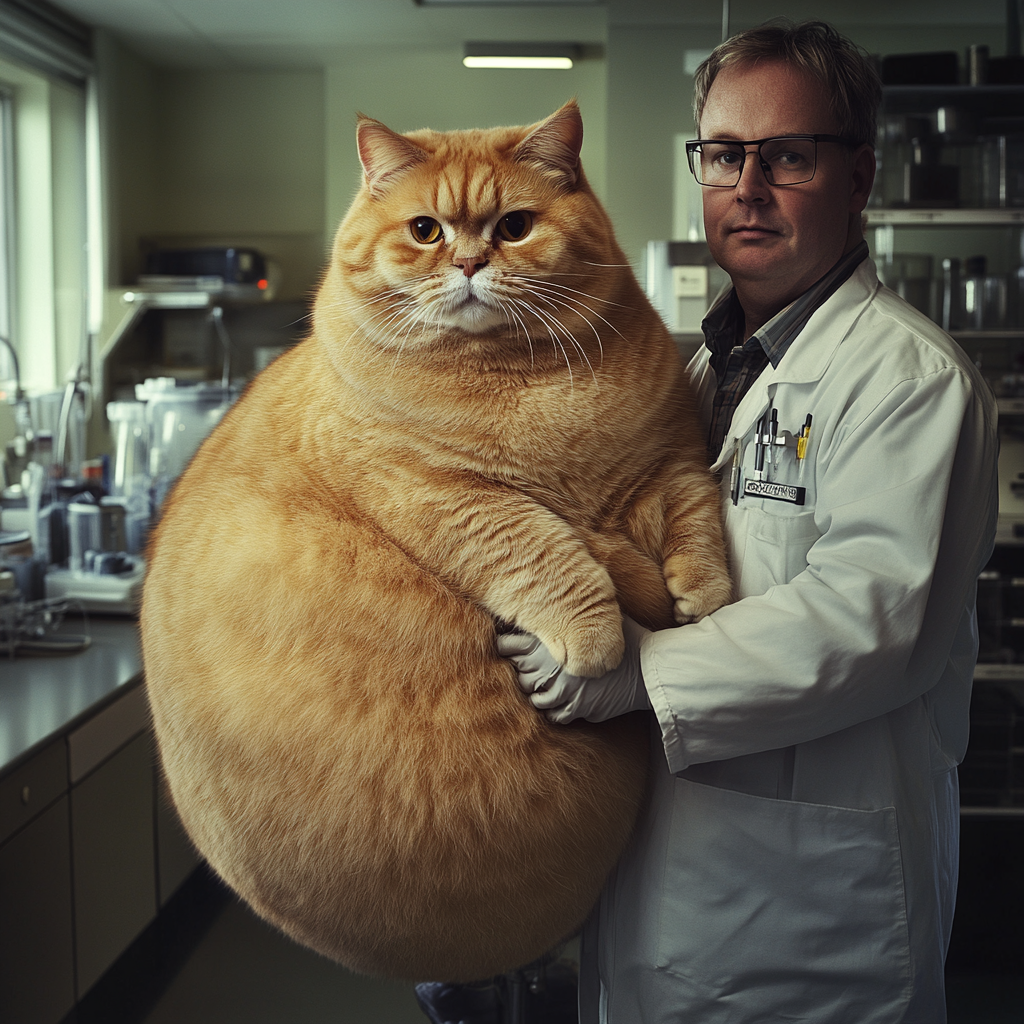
[{"x": 784, "y": 161}]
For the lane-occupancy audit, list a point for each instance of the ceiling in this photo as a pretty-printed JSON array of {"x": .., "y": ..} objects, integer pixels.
[{"x": 316, "y": 33}]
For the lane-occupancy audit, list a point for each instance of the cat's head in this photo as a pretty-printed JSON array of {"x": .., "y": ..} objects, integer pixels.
[{"x": 480, "y": 234}]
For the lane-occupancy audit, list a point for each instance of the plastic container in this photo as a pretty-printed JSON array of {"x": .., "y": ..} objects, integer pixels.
[
  {"x": 179, "y": 417},
  {"x": 129, "y": 478}
]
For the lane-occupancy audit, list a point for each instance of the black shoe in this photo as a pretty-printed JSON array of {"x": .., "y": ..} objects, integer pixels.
[
  {"x": 445, "y": 1003},
  {"x": 538, "y": 994}
]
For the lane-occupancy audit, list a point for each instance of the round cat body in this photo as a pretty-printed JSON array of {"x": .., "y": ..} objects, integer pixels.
[{"x": 488, "y": 423}]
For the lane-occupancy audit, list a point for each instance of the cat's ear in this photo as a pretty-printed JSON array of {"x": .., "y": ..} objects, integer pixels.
[
  {"x": 555, "y": 144},
  {"x": 384, "y": 154}
]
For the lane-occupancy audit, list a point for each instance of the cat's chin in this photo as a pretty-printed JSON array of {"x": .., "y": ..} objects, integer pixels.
[{"x": 475, "y": 318}]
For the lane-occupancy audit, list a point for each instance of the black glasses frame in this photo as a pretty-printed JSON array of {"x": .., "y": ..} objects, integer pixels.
[{"x": 695, "y": 144}]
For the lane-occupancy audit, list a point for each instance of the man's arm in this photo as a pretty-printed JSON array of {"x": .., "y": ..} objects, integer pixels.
[{"x": 905, "y": 507}]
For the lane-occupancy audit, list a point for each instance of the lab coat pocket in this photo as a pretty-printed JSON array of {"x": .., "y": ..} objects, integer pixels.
[
  {"x": 781, "y": 552},
  {"x": 782, "y": 911}
]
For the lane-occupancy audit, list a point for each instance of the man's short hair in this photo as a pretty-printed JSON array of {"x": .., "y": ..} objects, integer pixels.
[{"x": 849, "y": 77}]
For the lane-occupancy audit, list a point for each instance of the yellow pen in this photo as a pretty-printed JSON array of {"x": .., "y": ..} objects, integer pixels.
[{"x": 801, "y": 441}]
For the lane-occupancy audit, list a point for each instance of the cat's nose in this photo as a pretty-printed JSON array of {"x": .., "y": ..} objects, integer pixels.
[{"x": 470, "y": 264}]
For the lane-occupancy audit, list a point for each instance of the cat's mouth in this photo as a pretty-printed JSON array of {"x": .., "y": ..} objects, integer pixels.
[
  {"x": 470, "y": 310},
  {"x": 468, "y": 297}
]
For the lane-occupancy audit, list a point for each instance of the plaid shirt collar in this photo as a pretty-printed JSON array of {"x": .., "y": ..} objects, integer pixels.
[{"x": 723, "y": 325}]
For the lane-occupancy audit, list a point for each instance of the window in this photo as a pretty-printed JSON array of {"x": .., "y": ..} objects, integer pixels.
[
  {"x": 45, "y": 69},
  {"x": 7, "y": 360}
]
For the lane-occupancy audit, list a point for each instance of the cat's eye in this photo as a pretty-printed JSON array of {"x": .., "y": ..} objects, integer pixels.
[
  {"x": 514, "y": 227},
  {"x": 425, "y": 230}
]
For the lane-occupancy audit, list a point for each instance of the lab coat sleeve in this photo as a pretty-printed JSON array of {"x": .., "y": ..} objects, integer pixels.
[{"x": 905, "y": 506}]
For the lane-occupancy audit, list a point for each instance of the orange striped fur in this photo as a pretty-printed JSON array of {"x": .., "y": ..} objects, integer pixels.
[{"x": 479, "y": 428}]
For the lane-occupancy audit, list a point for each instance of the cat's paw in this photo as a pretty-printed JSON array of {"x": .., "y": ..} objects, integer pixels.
[
  {"x": 697, "y": 595},
  {"x": 595, "y": 648}
]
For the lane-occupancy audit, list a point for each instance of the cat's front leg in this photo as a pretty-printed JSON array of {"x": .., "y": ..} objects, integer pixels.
[
  {"x": 695, "y": 565},
  {"x": 517, "y": 559},
  {"x": 570, "y": 605},
  {"x": 527, "y": 567},
  {"x": 684, "y": 513}
]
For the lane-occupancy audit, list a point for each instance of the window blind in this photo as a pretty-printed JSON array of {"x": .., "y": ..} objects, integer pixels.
[{"x": 43, "y": 37}]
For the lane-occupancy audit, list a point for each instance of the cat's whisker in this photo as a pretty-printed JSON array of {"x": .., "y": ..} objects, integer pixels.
[
  {"x": 566, "y": 300},
  {"x": 306, "y": 317},
  {"x": 548, "y": 319},
  {"x": 566, "y": 288},
  {"x": 555, "y": 342},
  {"x": 557, "y": 301},
  {"x": 395, "y": 310},
  {"x": 374, "y": 332},
  {"x": 362, "y": 325},
  {"x": 553, "y": 287},
  {"x": 510, "y": 310},
  {"x": 511, "y": 324},
  {"x": 414, "y": 317},
  {"x": 394, "y": 297},
  {"x": 363, "y": 302}
]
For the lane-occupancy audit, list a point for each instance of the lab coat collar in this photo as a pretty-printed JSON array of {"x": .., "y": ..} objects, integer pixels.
[
  {"x": 814, "y": 348},
  {"x": 809, "y": 356}
]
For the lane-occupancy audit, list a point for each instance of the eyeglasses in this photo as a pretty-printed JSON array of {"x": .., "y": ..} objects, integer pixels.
[{"x": 784, "y": 159}]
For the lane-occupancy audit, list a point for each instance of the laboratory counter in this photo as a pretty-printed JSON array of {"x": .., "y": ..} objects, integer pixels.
[
  {"x": 91, "y": 848},
  {"x": 45, "y": 695}
]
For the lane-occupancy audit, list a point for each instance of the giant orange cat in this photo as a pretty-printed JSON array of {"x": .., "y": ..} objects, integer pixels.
[{"x": 488, "y": 423}]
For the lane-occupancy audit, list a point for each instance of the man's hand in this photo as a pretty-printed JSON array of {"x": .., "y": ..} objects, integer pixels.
[{"x": 564, "y": 697}]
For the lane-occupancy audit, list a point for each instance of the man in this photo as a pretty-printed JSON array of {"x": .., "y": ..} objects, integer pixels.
[{"x": 798, "y": 857}]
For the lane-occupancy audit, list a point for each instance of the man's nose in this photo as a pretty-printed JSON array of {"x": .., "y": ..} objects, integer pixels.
[{"x": 753, "y": 184}]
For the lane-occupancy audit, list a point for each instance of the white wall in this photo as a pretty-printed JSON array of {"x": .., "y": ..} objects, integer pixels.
[
  {"x": 214, "y": 158},
  {"x": 650, "y": 94},
  {"x": 240, "y": 160},
  {"x": 409, "y": 89},
  {"x": 49, "y": 304},
  {"x": 270, "y": 157}
]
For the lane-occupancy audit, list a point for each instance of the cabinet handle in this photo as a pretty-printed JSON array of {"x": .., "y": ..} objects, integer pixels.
[{"x": 26, "y": 794}]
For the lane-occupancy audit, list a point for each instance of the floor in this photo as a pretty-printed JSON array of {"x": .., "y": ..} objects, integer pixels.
[
  {"x": 208, "y": 960},
  {"x": 244, "y": 971}
]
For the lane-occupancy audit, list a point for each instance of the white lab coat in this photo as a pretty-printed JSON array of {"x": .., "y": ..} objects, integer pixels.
[{"x": 798, "y": 858}]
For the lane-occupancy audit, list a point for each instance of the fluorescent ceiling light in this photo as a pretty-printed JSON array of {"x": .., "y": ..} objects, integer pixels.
[
  {"x": 552, "y": 56},
  {"x": 509, "y": 3},
  {"x": 553, "y": 63}
]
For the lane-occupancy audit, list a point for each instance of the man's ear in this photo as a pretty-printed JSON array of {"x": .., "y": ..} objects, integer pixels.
[{"x": 862, "y": 177}]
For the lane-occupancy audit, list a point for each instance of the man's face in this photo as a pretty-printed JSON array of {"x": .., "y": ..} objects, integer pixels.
[{"x": 776, "y": 242}]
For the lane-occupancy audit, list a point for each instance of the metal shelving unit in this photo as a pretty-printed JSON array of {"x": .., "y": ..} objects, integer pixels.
[
  {"x": 992, "y": 775},
  {"x": 913, "y": 217}
]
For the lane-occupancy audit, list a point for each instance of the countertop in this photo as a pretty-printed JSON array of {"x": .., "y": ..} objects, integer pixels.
[{"x": 45, "y": 695}]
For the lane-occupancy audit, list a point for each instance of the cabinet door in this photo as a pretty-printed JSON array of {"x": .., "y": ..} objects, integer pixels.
[
  {"x": 114, "y": 870},
  {"x": 36, "y": 952}
]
